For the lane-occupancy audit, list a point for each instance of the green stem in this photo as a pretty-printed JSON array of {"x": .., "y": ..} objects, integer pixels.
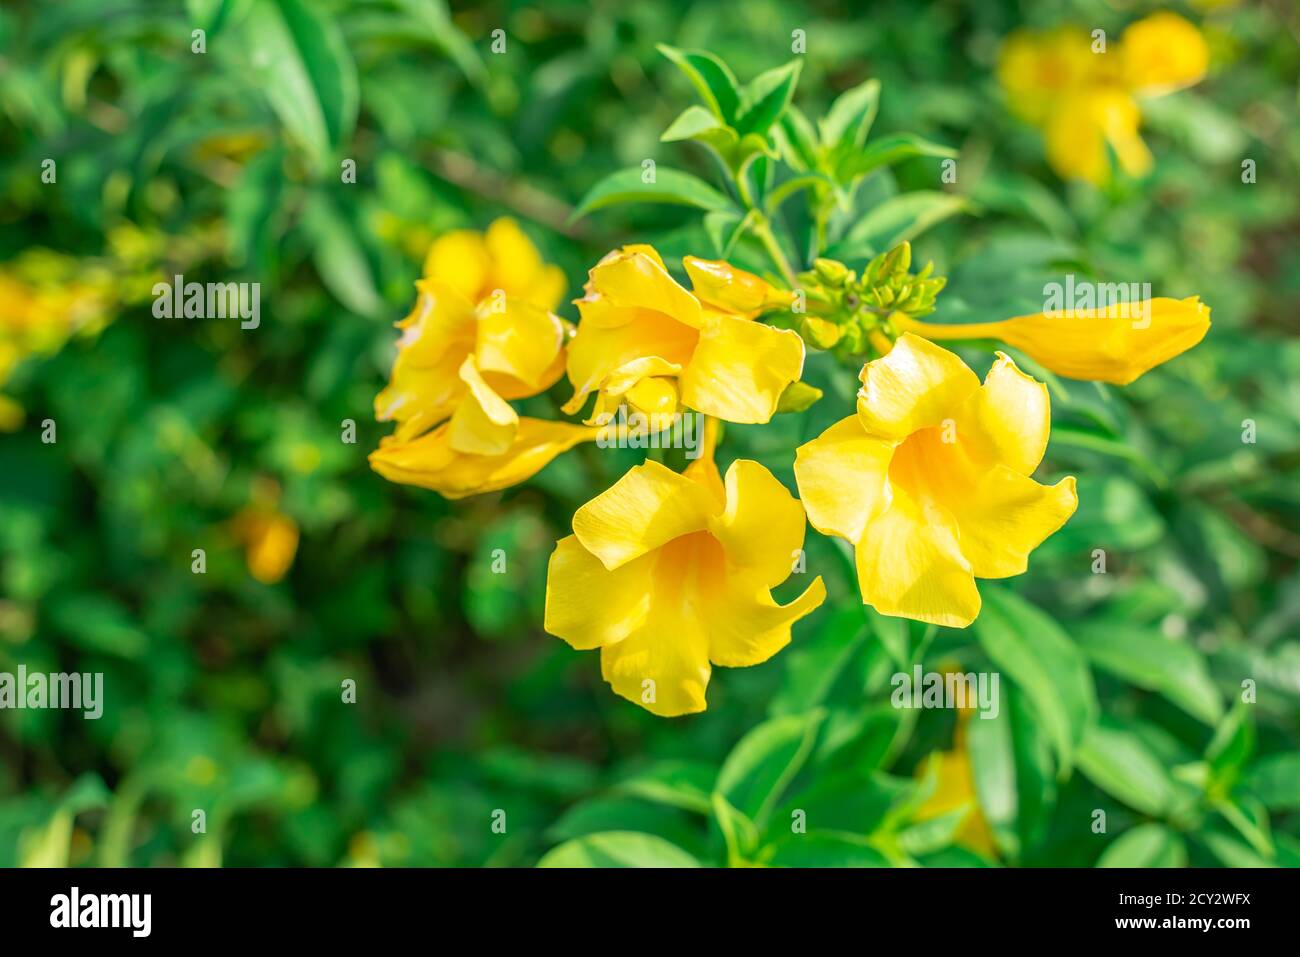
[{"x": 763, "y": 230}]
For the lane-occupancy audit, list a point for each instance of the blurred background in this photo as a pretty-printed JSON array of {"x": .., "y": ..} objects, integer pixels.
[{"x": 223, "y": 689}]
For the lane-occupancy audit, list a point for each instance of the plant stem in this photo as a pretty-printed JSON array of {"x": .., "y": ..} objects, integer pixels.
[{"x": 763, "y": 230}]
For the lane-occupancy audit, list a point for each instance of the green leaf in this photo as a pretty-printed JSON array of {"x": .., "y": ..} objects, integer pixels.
[
  {"x": 339, "y": 258},
  {"x": 1275, "y": 780},
  {"x": 767, "y": 97},
  {"x": 1030, "y": 647},
  {"x": 433, "y": 16},
  {"x": 797, "y": 139},
  {"x": 991, "y": 747},
  {"x": 887, "y": 151},
  {"x": 899, "y": 218},
  {"x": 849, "y": 119},
  {"x": 1120, "y": 764},
  {"x": 303, "y": 66},
  {"x": 1230, "y": 748},
  {"x": 669, "y": 186},
  {"x": 765, "y": 761},
  {"x": 1147, "y": 659},
  {"x": 682, "y": 784},
  {"x": 825, "y": 850},
  {"x": 618, "y": 849},
  {"x": 697, "y": 123},
  {"x": 797, "y": 397},
  {"x": 1147, "y": 845},
  {"x": 711, "y": 78}
]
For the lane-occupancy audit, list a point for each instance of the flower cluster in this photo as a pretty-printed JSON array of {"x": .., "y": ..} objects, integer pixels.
[
  {"x": 668, "y": 574},
  {"x": 1083, "y": 92}
]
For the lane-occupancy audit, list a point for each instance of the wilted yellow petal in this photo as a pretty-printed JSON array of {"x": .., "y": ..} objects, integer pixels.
[
  {"x": 430, "y": 461},
  {"x": 483, "y": 423},
  {"x": 740, "y": 368}
]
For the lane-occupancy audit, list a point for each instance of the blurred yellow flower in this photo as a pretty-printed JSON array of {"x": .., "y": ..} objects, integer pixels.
[
  {"x": 1114, "y": 344},
  {"x": 668, "y": 574},
  {"x": 270, "y": 541},
  {"x": 1084, "y": 97},
  {"x": 930, "y": 480},
  {"x": 647, "y": 342},
  {"x": 955, "y": 790},
  {"x": 501, "y": 261}
]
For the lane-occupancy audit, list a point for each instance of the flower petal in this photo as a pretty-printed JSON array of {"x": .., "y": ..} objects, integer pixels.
[
  {"x": 664, "y": 667},
  {"x": 587, "y": 604},
  {"x": 648, "y": 507},
  {"x": 430, "y": 461},
  {"x": 1162, "y": 53},
  {"x": 740, "y": 368},
  {"x": 729, "y": 289},
  {"x": 910, "y": 564},
  {"x": 520, "y": 340},
  {"x": 747, "y": 627},
  {"x": 483, "y": 423},
  {"x": 1007, "y": 419},
  {"x": 1006, "y": 516},
  {"x": 916, "y": 386},
  {"x": 461, "y": 260},
  {"x": 762, "y": 527},
  {"x": 842, "y": 477},
  {"x": 634, "y": 278}
]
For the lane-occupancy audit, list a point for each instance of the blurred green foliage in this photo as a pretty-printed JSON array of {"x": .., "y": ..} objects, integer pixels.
[{"x": 1121, "y": 691}]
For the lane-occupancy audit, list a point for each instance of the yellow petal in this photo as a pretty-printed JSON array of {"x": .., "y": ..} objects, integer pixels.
[
  {"x": 635, "y": 279},
  {"x": 484, "y": 423},
  {"x": 842, "y": 476},
  {"x": 740, "y": 368},
  {"x": 648, "y": 507},
  {"x": 1163, "y": 52},
  {"x": 916, "y": 386},
  {"x": 516, "y": 263},
  {"x": 1008, "y": 419},
  {"x": 762, "y": 526},
  {"x": 664, "y": 667},
  {"x": 430, "y": 461},
  {"x": 587, "y": 604},
  {"x": 460, "y": 258},
  {"x": 746, "y": 626},
  {"x": 1115, "y": 344},
  {"x": 729, "y": 289},
  {"x": 519, "y": 340},
  {"x": 1006, "y": 516},
  {"x": 596, "y": 352},
  {"x": 1075, "y": 139},
  {"x": 910, "y": 564}
]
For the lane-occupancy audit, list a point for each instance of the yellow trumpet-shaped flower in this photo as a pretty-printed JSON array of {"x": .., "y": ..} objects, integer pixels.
[
  {"x": 1084, "y": 96},
  {"x": 955, "y": 790},
  {"x": 668, "y": 574},
  {"x": 478, "y": 265},
  {"x": 646, "y": 341},
  {"x": 930, "y": 480},
  {"x": 1115, "y": 344}
]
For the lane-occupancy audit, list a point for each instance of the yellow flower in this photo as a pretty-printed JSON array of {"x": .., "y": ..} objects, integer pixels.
[
  {"x": 1115, "y": 344},
  {"x": 1085, "y": 101},
  {"x": 1163, "y": 53},
  {"x": 669, "y": 574},
  {"x": 954, "y": 790},
  {"x": 930, "y": 480},
  {"x": 270, "y": 542},
  {"x": 478, "y": 265},
  {"x": 645, "y": 341},
  {"x": 434, "y": 462}
]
